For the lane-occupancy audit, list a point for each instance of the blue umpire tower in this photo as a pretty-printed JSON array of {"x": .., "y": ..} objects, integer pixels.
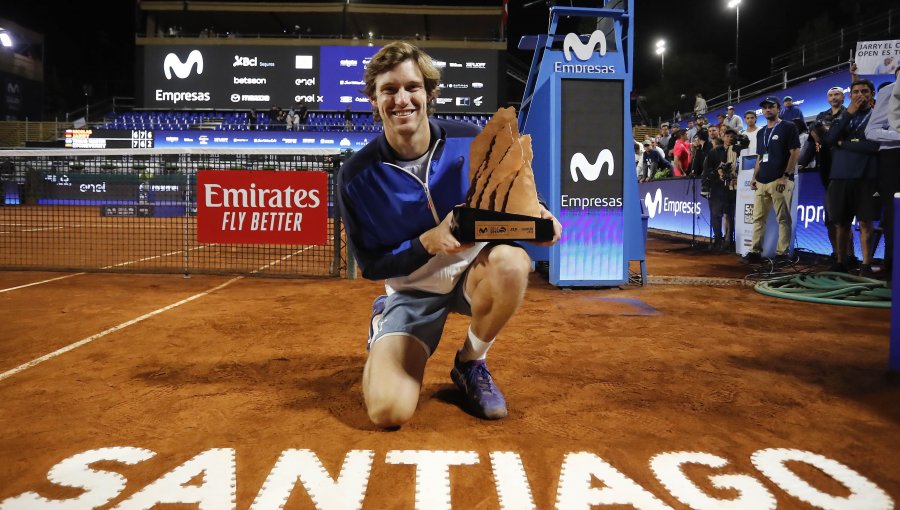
[{"x": 576, "y": 108}]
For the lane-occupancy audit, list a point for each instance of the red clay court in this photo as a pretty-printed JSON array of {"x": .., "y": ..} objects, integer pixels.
[{"x": 217, "y": 392}]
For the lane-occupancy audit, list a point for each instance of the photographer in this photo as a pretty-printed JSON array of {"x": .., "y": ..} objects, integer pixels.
[
  {"x": 714, "y": 188},
  {"x": 730, "y": 173}
]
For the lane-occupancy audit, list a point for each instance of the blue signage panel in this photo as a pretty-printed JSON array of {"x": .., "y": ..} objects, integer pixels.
[{"x": 591, "y": 175}]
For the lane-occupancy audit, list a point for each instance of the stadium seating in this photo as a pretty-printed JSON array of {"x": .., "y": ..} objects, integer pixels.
[{"x": 240, "y": 121}]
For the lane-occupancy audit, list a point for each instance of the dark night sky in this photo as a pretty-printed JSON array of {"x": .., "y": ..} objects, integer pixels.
[{"x": 83, "y": 47}]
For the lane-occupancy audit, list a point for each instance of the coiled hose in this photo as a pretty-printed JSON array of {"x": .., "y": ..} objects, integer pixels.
[{"x": 829, "y": 288}]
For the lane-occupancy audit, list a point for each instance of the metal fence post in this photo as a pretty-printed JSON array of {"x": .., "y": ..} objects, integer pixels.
[{"x": 187, "y": 207}]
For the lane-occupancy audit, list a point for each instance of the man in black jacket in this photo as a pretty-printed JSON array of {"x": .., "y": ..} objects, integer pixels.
[{"x": 853, "y": 182}]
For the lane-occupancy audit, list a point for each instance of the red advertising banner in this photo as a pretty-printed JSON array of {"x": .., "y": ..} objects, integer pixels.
[{"x": 262, "y": 207}]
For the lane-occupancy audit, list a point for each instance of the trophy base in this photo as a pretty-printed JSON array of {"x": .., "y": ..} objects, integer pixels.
[{"x": 474, "y": 225}]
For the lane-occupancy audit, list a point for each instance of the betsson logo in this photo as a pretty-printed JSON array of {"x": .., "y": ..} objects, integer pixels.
[
  {"x": 572, "y": 42},
  {"x": 182, "y": 69},
  {"x": 590, "y": 171}
]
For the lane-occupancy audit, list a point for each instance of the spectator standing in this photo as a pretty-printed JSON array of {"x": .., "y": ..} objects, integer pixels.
[
  {"x": 348, "y": 120},
  {"x": 817, "y": 153},
  {"x": 714, "y": 189},
  {"x": 732, "y": 120},
  {"x": 289, "y": 120},
  {"x": 663, "y": 138},
  {"x": 670, "y": 145},
  {"x": 752, "y": 128},
  {"x": 879, "y": 131},
  {"x": 853, "y": 180},
  {"x": 894, "y": 109},
  {"x": 729, "y": 175},
  {"x": 251, "y": 119},
  {"x": 700, "y": 149},
  {"x": 700, "y": 107},
  {"x": 691, "y": 131},
  {"x": 777, "y": 147},
  {"x": 302, "y": 115},
  {"x": 681, "y": 153},
  {"x": 713, "y": 133},
  {"x": 790, "y": 112}
]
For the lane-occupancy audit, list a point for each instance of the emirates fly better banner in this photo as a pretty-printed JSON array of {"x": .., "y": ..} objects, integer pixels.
[{"x": 262, "y": 207}]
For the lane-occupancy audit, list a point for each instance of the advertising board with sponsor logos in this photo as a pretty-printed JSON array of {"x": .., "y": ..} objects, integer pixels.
[
  {"x": 675, "y": 205},
  {"x": 325, "y": 78}
]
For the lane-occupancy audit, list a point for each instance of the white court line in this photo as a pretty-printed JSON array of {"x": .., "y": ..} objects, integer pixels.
[
  {"x": 37, "y": 361},
  {"x": 38, "y": 283},
  {"x": 26, "y": 366},
  {"x": 153, "y": 257},
  {"x": 31, "y": 230}
]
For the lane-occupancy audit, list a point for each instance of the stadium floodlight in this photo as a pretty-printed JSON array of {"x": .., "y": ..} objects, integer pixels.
[
  {"x": 5, "y": 39},
  {"x": 661, "y": 51},
  {"x": 736, "y": 5}
]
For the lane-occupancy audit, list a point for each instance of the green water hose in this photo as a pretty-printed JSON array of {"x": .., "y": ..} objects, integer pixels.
[{"x": 829, "y": 288}]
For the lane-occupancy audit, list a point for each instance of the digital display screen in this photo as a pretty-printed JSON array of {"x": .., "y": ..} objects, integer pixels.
[
  {"x": 326, "y": 78},
  {"x": 109, "y": 139},
  {"x": 591, "y": 180}
]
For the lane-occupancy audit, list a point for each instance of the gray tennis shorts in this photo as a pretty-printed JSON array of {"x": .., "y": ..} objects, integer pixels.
[{"x": 422, "y": 315}]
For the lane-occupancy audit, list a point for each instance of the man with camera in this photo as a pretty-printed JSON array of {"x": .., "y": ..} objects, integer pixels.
[
  {"x": 720, "y": 179},
  {"x": 777, "y": 148}
]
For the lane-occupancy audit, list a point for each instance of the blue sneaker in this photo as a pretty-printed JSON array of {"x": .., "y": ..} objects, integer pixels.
[
  {"x": 482, "y": 395},
  {"x": 375, "y": 321}
]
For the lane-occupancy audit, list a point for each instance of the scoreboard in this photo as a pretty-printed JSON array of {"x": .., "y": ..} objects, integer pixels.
[{"x": 109, "y": 139}]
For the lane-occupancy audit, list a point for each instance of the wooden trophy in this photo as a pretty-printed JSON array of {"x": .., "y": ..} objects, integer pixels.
[{"x": 502, "y": 202}]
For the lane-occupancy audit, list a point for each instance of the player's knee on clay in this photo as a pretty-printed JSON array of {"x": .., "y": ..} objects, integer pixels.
[{"x": 392, "y": 411}]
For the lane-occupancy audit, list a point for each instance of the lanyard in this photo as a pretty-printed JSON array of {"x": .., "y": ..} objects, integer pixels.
[
  {"x": 767, "y": 141},
  {"x": 855, "y": 123}
]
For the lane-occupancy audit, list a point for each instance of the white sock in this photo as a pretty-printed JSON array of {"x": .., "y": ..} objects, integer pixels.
[{"x": 474, "y": 348}]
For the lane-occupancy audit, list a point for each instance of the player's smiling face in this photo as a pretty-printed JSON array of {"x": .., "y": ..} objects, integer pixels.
[{"x": 401, "y": 100}]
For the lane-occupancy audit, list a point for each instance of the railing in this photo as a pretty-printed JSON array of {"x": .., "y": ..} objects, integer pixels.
[{"x": 840, "y": 46}]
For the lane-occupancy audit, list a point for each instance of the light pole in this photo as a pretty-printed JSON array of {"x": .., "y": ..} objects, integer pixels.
[
  {"x": 661, "y": 51},
  {"x": 737, "y": 28}
]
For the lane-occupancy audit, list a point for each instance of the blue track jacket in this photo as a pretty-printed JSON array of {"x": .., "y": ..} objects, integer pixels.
[{"x": 385, "y": 209}]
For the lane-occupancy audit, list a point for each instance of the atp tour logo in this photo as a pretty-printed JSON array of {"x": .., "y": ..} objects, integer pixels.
[
  {"x": 654, "y": 203},
  {"x": 182, "y": 69},
  {"x": 572, "y": 43},
  {"x": 591, "y": 172}
]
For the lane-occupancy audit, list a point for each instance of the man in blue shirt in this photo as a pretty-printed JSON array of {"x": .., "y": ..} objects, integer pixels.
[
  {"x": 777, "y": 147},
  {"x": 790, "y": 112}
]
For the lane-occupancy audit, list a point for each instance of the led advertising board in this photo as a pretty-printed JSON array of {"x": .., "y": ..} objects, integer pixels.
[{"x": 325, "y": 78}]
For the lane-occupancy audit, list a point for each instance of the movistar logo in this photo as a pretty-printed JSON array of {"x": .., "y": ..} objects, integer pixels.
[
  {"x": 653, "y": 204},
  {"x": 591, "y": 172},
  {"x": 572, "y": 42},
  {"x": 182, "y": 69}
]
